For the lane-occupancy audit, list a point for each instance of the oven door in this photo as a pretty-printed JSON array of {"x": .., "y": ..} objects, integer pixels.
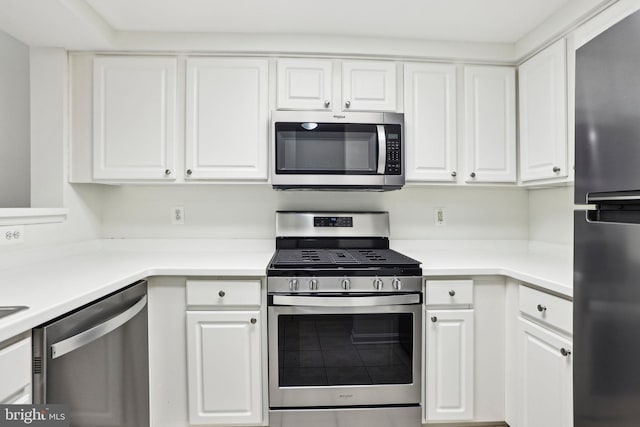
[{"x": 327, "y": 351}]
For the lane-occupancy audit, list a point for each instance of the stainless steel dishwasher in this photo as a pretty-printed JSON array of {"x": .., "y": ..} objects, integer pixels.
[{"x": 96, "y": 361}]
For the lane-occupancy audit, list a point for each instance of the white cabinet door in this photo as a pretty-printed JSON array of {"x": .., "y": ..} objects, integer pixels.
[
  {"x": 430, "y": 122},
  {"x": 224, "y": 367},
  {"x": 304, "y": 84},
  {"x": 134, "y": 114},
  {"x": 449, "y": 354},
  {"x": 546, "y": 377},
  {"x": 15, "y": 371},
  {"x": 543, "y": 114},
  {"x": 490, "y": 124},
  {"x": 369, "y": 86},
  {"x": 227, "y": 118}
]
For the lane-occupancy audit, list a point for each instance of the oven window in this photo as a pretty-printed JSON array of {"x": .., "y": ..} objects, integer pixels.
[
  {"x": 345, "y": 349},
  {"x": 326, "y": 149}
]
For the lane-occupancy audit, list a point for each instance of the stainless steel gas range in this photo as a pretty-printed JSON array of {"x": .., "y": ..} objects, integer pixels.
[{"x": 345, "y": 324}]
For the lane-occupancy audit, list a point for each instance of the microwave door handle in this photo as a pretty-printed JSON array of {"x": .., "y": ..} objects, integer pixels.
[
  {"x": 83, "y": 338},
  {"x": 382, "y": 149},
  {"x": 343, "y": 301}
]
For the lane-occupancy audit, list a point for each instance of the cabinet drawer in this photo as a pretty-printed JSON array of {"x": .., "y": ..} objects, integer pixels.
[
  {"x": 546, "y": 308},
  {"x": 449, "y": 292},
  {"x": 15, "y": 369},
  {"x": 223, "y": 292}
]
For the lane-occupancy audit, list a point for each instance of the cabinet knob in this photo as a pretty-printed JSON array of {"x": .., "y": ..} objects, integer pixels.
[
  {"x": 556, "y": 169},
  {"x": 189, "y": 172},
  {"x": 327, "y": 104},
  {"x": 221, "y": 294},
  {"x": 565, "y": 352},
  {"x": 253, "y": 320},
  {"x": 347, "y": 104},
  {"x": 434, "y": 319},
  {"x": 167, "y": 172},
  {"x": 541, "y": 308},
  {"x": 472, "y": 174},
  {"x": 452, "y": 293},
  {"x": 454, "y": 174}
]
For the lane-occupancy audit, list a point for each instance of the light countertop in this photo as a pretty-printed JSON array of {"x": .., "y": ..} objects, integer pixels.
[{"x": 55, "y": 283}]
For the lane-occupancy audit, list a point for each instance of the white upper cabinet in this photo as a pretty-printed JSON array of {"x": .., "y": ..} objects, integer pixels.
[
  {"x": 227, "y": 118},
  {"x": 134, "y": 115},
  {"x": 490, "y": 124},
  {"x": 304, "y": 84},
  {"x": 309, "y": 84},
  {"x": 369, "y": 86},
  {"x": 543, "y": 114},
  {"x": 430, "y": 122}
]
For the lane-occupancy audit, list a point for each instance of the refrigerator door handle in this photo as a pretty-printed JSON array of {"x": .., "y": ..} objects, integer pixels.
[
  {"x": 627, "y": 196},
  {"x": 83, "y": 338}
]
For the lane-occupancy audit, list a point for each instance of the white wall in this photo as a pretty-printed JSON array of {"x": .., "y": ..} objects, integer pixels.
[
  {"x": 49, "y": 133},
  {"x": 247, "y": 211},
  {"x": 14, "y": 123},
  {"x": 551, "y": 215}
]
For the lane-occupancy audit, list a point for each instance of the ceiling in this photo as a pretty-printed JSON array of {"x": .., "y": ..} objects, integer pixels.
[
  {"x": 401, "y": 27},
  {"x": 453, "y": 20}
]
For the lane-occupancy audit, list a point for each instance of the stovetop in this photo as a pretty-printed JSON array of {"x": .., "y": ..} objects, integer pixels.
[
  {"x": 340, "y": 244},
  {"x": 328, "y": 258},
  {"x": 342, "y": 262}
]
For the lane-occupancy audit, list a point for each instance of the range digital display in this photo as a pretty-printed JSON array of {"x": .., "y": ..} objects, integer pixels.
[{"x": 333, "y": 221}]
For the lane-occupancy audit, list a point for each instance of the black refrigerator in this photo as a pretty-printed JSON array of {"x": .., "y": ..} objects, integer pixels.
[{"x": 607, "y": 234}]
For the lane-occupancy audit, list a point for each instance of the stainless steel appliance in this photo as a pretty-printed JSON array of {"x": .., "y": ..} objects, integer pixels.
[
  {"x": 607, "y": 239},
  {"x": 345, "y": 323},
  {"x": 95, "y": 360},
  {"x": 350, "y": 151}
]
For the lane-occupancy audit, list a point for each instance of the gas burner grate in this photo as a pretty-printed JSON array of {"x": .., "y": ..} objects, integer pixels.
[
  {"x": 372, "y": 255},
  {"x": 309, "y": 256}
]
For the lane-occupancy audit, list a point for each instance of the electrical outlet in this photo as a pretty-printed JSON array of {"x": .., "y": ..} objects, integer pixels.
[
  {"x": 11, "y": 234},
  {"x": 177, "y": 215},
  {"x": 439, "y": 217}
]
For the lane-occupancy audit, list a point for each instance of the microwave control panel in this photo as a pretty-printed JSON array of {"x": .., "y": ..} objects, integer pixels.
[{"x": 394, "y": 157}]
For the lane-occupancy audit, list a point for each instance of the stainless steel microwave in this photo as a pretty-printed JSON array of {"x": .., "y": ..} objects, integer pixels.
[{"x": 327, "y": 151}]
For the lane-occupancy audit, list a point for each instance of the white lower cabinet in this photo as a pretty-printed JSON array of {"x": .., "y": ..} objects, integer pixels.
[
  {"x": 224, "y": 352},
  {"x": 224, "y": 367},
  {"x": 539, "y": 364},
  {"x": 15, "y": 372},
  {"x": 449, "y": 348},
  {"x": 545, "y": 366}
]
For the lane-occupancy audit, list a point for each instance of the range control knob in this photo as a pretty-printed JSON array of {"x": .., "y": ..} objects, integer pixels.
[
  {"x": 396, "y": 284},
  {"x": 346, "y": 284},
  {"x": 293, "y": 284},
  {"x": 378, "y": 284},
  {"x": 313, "y": 284}
]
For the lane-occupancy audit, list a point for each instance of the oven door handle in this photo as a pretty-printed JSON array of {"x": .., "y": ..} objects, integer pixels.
[{"x": 344, "y": 301}]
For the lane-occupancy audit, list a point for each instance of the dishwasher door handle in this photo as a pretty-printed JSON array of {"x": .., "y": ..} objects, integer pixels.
[{"x": 83, "y": 338}]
